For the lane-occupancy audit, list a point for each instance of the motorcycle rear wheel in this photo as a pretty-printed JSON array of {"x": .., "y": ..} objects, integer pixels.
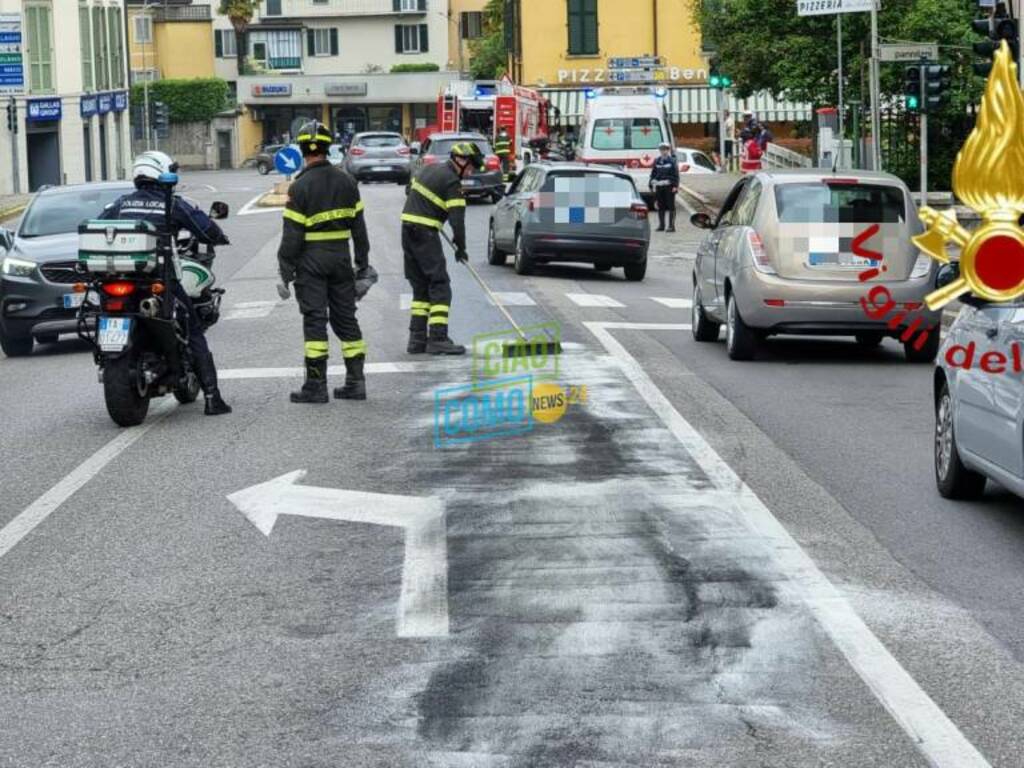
[{"x": 126, "y": 406}]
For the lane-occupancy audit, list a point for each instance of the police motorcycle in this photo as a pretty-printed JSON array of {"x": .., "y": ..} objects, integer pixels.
[{"x": 130, "y": 314}]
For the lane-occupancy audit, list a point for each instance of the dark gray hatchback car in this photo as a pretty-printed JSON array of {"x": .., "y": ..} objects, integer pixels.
[{"x": 38, "y": 260}]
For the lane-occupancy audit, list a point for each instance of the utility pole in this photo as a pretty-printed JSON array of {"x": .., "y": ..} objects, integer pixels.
[
  {"x": 12, "y": 126},
  {"x": 839, "y": 48},
  {"x": 876, "y": 118}
]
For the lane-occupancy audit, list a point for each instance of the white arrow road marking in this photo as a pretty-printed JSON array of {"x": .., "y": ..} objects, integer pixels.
[
  {"x": 931, "y": 731},
  {"x": 423, "y": 605},
  {"x": 251, "y": 207}
]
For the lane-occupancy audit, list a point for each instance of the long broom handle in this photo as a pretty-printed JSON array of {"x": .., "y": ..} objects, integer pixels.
[{"x": 487, "y": 290}]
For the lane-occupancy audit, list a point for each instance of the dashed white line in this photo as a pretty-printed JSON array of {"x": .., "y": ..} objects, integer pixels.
[
  {"x": 514, "y": 299},
  {"x": 931, "y": 731},
  {"x": 592, "y": 300},
  {"x": 248, "y": 310},
  {"x": 673, "y": 303}
]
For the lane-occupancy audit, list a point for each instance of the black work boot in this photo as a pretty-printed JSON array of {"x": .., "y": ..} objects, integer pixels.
[
  {"x": 440, "y": 344},
  {"x": 314, "y": 390},
  {"x": 215, "y": 405},
  {"x": 661, "y": 221},
  {"x": 672, "y": 220},
  {"x": 355, "y": 381},
  {"x": 417, "y": 336}
]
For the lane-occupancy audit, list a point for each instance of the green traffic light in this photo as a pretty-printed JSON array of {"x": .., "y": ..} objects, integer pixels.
[
  {"x": 715, "y": 81},
  {"x": 726, "y": 81},
  {"x": 913, "y": 103}
]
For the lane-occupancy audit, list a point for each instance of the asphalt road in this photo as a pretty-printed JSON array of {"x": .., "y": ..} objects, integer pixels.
[{"x": 706, "y": 563}]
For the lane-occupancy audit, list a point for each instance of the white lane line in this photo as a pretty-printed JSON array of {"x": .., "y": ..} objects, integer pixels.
[
  {"x": 592, "y": 300},
  {"x": 250, "y": 309},
  {"x": 673, "y": 303},
  {"x": 41, "y": 508},
  {"x": 250, "y": 208},
  {"x": 253, "y": 304},
  {"x": 513, "y": 299},
  {"x": 334, "y": 370},
  {"x": 931, "y": 731},
  {"x": 405, "y": 301}
]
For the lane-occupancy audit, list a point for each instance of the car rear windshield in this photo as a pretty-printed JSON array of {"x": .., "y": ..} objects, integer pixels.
[
  {"x": 627, "y": 133},
  {"x": 61, "y": 212},
  {"x": 839, "y": 203},
  {"x": 444, "y": 146},
  {"x": 380, "y": 141},
  {"x": 590, "y": 182}
]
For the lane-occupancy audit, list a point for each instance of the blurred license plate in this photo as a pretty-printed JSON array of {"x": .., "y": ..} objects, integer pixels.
[
  {"x": 384, "y": 168},
  {"x": 840, "y": 260},
  {"x": 73, "y": 300},
  {"x": 470, "y": 182},
  {"x": 113, "y": 333}
]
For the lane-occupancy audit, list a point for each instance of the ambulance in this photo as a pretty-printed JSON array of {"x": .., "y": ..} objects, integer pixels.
[{"x": 623, "y": 126}]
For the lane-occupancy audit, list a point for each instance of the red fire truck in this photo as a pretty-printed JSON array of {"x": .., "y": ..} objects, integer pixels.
[{"x": 487, "y": 106}]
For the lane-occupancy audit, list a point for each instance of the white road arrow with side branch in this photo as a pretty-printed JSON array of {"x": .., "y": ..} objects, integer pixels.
[{"x": 423, "y": 605}]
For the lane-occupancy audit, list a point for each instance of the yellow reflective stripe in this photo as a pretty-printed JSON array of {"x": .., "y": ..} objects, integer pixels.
[
  {"x": 439, "y": 309},
  {"x": 418, "y": 312},
  {"x": 438, "y": 320},
  {"x": 425, "y": 221},
  {"x": 428, "y": 194},
  {"x": 317, "y": 349},
  {"x": 353, "y": 348},
  {"x": 332, "y": 215},
  {"x": 294, "y": 216},
  {"x": 308, "y": 137},
  {"x": 457, "y": 202},
  {"x": 334, "y": 234},
  {"x": 420, "y": 305}
]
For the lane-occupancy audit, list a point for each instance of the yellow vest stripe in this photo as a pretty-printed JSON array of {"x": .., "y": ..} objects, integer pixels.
[{"x": 427, "y": 222}]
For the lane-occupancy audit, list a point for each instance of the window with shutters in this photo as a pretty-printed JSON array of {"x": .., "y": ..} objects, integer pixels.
[
  {"x": 225, "y": 44},
  {"x": 409, "y": 6},
  {"x": 582, "y": 27},
  {"x": 411, "y": 38},
  {"x": 143, "y": 28},
  {"x": 85, "y": 32},
  {"x": 321, "y": 39},
  {"x": 472, "y": 25},
  {"x": 39, "y": 29},
  {"x": 277, "y": 48},
  {"x": 273, "y": 8},
  {"x": 99, "y": 49},
  {"x": 115, "y": 46}
]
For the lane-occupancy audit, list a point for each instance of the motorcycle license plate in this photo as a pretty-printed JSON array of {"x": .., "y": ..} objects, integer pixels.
[{"x": 113, "y": 333}]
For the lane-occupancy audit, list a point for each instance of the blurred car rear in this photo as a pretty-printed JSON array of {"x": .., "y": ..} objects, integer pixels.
[
  {"x": 378, "y": 156},
  {"x": 486, "y": 183},
  {"x": 264, "y": 161}
]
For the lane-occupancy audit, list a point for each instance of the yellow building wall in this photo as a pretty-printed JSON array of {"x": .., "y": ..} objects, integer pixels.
[
  {"x": 140, "y": 56},
  {"x": 625, "y": 28},
  {"x": 184, "y": 49},
  {"x": 455, "y": 11},
  {"x": 250, "y": 135}
]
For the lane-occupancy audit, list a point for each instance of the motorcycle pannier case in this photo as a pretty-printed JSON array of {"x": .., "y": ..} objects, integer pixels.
[{"x": 118, "y": 247}]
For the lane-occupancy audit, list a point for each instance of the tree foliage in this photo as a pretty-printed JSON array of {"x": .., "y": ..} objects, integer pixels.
[
  {"x": 489, "y": 56},
  {"x": 190, "y": 101},
  {"x": 239, "y": 13}
]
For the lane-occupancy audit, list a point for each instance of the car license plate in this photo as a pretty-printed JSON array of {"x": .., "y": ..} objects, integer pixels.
[
  {"x": 470, "y": 182},
  {"x": 73, "y": 300},
  {"x": 113, "y": 333},
  {"x": 840, "y": 260},
  {"x": 384, "y": 168}
]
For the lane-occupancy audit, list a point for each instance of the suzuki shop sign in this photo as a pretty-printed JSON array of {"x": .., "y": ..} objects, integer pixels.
[{"x": 272, "y": 90}]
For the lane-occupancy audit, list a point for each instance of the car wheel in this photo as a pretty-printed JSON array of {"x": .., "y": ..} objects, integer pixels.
[
  {"x": 263, "y": 168},
  {"x": 955, "y": 481},
  {"x": 522, "y": 259},
  {"x": 15, "y": 346},
  {"x": 495, "y": 256},
  {"x": 48, "y": 338},
  {"x": 869, "y": 339},
  {"x": 635, "y": 272},
  {"x": 926, "y": 353},
  {"x": 702, "y": 328},
  {"x": 740, "y": 341}
]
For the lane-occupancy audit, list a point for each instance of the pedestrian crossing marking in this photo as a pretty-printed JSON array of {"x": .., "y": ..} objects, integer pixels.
[
  {"x": 592, "y": 300},
  {"x": 514, "y": 299},
  {"x": 672, "y": 302}
]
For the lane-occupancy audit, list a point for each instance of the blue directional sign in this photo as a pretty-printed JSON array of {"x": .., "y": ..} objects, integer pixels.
[{"x": 288, "y": 160}]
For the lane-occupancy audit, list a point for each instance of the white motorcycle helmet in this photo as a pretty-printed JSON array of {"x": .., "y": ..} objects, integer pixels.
[{"x": 156, "y": 167}]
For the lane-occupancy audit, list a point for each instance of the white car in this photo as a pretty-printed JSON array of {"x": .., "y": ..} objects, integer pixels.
[{"x": 693, "y": 161}]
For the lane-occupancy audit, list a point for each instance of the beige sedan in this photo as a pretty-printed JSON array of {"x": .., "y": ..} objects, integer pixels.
[{"x": 814, "y": 252}]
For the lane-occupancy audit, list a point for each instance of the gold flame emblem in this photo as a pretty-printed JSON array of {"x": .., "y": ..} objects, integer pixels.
[{"x": 989, "y": 176}]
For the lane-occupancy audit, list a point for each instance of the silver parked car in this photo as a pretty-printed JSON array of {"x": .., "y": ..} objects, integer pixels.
[
  {"x": 571, "y": 212},
  {"x": 378, "y": 156},
  {"x": 790, "y": 252},
  {"x": 979, "y": 401}
]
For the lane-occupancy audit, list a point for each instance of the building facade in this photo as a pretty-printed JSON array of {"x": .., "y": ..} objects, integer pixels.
[
  {"x": 335, "y": 60},
  {"x": 466, "y": 20},
  {"x": 160, "y": 34},
  {"x": 65, "y": 77}
]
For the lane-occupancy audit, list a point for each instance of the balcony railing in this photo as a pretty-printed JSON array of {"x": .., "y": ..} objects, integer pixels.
[
  {"x": 182, "y": 13},
  {"x": 304, "y": 8}
]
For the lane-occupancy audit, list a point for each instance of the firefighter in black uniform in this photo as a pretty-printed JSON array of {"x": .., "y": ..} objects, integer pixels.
[
  {"x": 503, "y": 149},
  {"x": 435, "y": 196},
  {"x": 322, "y": 214}
]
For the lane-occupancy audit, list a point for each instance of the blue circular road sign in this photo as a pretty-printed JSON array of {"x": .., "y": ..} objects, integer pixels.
[{"x": 288, "y": 160}]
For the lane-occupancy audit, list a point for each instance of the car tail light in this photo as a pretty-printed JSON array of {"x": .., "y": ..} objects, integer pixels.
[
  {"x": 758, "y": 253},
  {"x": 774, "y": 302},
  {"x": 684, "y": 168},
  {"x": 356, "y": 151},
  {"x": 429, "y": 159},
  {"x": 492, "y": 163},
  {"x": 119, "y": 290},
  {"x": 403, "y": 151},
  {"x": 638, "y": 211}
]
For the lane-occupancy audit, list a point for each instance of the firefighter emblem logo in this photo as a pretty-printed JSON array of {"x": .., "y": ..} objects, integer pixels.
[{"x": 989, "y": 176}]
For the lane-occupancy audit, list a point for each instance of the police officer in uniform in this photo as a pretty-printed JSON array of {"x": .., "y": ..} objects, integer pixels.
[
  {"x": 323, "y": 213},
  {"x": 435, "y": 196},
  {"x": 503, "y": 149},
  {"x": 665, "y": 183}
]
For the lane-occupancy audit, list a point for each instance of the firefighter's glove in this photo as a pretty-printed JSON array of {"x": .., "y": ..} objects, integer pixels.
[
  {"x": 365, "y": 278},
  {"x": 461, "y": 256},
  {"x": 283, "y": 291}
]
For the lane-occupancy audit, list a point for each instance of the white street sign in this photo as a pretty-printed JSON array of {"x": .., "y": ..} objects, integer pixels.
[
  {"x": 423, "y": 605},
  {"x": 911, "y": 52},
  {"x": 826, "y": 7}
]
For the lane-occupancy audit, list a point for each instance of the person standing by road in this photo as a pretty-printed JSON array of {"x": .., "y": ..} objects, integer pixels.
[
  {"x": 665, "y": 183},
  {"x": 730, "y": 138},
  {"x": 322, "y": 214},
  {"x": 435, "y": 196},
  {"x": 750, "y": 157},
  {"x": 503, "y": 149}
]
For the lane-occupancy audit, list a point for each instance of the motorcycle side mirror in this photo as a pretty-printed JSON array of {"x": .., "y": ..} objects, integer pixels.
[
  {"x": 702, "y": 221},
  {"x": 6, "y": 239},
  {"x": 219, "y": 210}
]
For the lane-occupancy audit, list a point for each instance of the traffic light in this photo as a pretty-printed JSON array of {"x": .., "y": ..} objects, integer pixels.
[
  {"x": 12, "y": 116},
  {"x": 912, "y": 88},
  {"x": 717, "y": 79},
  {"x": 161, "y": 119},
  {"x": 997, "y": 27},
  {"x": 936, "y": 85}
]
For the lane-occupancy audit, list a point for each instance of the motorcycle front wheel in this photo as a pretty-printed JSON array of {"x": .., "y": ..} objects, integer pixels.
[{"x": 126, "y": 406}]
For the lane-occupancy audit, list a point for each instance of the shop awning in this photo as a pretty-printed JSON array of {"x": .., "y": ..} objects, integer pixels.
[{"x": 690, "y": 105}]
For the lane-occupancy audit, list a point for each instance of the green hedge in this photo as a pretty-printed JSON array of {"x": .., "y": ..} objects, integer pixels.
[
  {"x": 191, "y": 101},
  {"x": 427, "y": 67}
]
